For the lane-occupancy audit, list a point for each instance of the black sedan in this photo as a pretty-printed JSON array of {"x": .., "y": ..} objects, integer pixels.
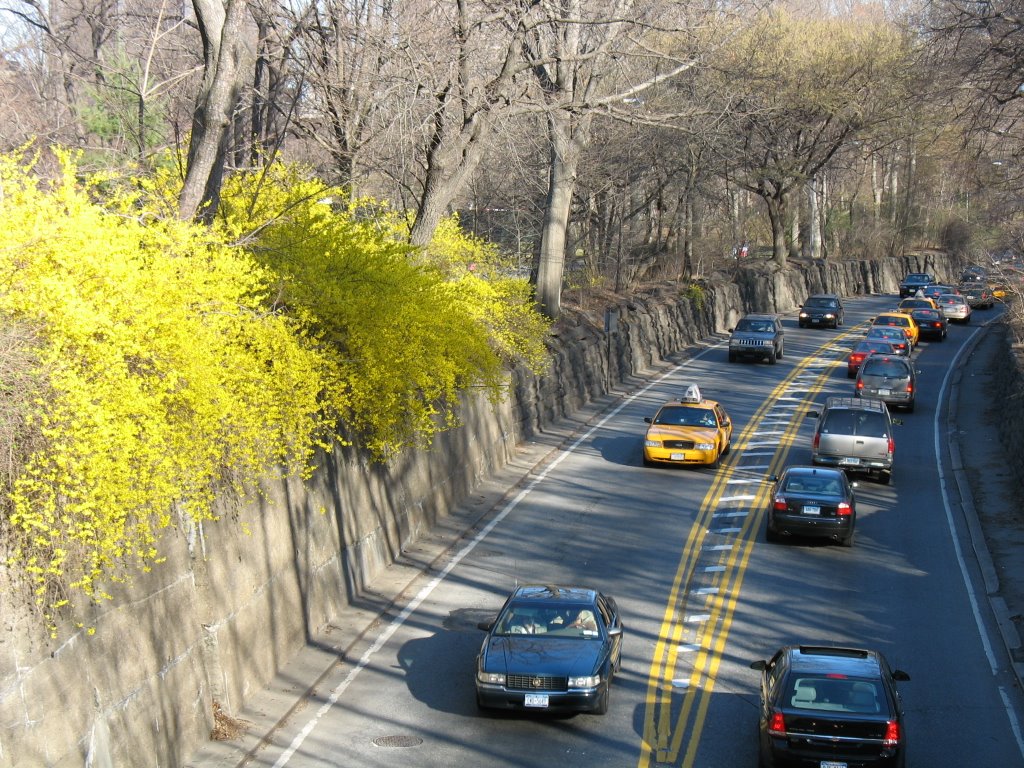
[
  {"x": 812, "y": 501},
  {"x": 821, "y": 311},
  {"x": 830, "y": 707},
  {"x": 550, "y": 648},
  {"x": 931, "y": 323}
]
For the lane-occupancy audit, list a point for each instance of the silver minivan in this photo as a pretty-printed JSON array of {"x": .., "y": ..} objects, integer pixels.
[{"x": 855, "y": 434}]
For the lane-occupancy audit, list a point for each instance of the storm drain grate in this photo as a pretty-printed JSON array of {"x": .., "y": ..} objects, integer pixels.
[{"x": 398, "y": 741}]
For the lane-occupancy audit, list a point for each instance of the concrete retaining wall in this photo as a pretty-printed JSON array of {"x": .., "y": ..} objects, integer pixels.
[{"x": 236, "y": 599}]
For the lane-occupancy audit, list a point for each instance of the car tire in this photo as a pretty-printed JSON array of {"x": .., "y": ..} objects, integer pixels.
[
  {"x": 647, "y": 462},
  {"x": 847, "y": 541},
  {"x": 728, "y": 447},
  {"x": 732, "y": 357},
  {"x": 772, "y": 358},
  {"x": 771, "y": 536},
  {"x": 782, "y": 349},
  {"x": 802, "y": 325},
  {"x": 601, "y": 708},
  {"x": 885, "y": 476},
  {"x": 910, "y": 407}
]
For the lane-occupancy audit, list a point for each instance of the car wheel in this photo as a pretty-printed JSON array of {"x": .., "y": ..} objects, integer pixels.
[
  {"x": 732, "y": 357},
  {"x": 602, "y": 702},
  {"x": 648, "y": 462},
  {"x": 884, "y": 476},
  {"x": 728, "y": 447},
  {"x": 802, "y": 324},
  {"x": 782, "y": 348},
  {"x": 771, "y": 357},
  {"x": 910, "y": 407},
  {"x": 847, "y": 541},
  {"x": 771, "y": 536}
]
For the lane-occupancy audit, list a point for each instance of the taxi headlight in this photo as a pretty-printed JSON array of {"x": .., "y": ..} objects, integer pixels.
[
  {"x": 491, "y": 678},
  {"x": 705, "y": 446},
  {"x": 590, "y": 681}
]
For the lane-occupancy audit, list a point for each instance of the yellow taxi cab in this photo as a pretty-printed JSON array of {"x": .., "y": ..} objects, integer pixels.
[
  {"x": 916, "y": 302},
  {"x": 900, "y": 320},
  {"x": 690, "y": 430}
]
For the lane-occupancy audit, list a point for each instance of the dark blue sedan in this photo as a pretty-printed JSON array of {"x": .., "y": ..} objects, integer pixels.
[{"x": 550, "y": 648}]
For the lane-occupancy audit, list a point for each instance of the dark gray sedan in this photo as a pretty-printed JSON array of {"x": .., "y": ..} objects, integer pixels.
[
  {"x": 550, "y": 648},
  {"x": 812, "y": 501}
]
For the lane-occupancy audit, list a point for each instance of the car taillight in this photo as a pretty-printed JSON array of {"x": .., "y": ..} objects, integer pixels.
[
  {"x": 843, "y": 509},
  {"x": 817, "y": 439},
  {"x": 910, "y": 386},
  {"x": 892, "y": 446},
  {"x": 892, "y": 733},
  {"x": 780, "y": 504},
  {"x": 860, "y": 384},
  {"x": 777, "y": 725}
]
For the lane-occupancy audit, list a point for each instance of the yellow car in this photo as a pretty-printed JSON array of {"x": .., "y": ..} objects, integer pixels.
[
  {"x": 915, "y": 302},
  {"x": 691, "y": 430},
  {"x": 900, "y": 320}
]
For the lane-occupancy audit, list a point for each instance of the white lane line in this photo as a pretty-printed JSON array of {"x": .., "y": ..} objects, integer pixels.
[
  {"x": 403, "y": 616},
  {"x": 968, "y": 584},
  {"x": 741, "y": 497}
]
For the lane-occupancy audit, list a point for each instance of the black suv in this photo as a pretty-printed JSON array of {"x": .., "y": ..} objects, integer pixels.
[
  {"x": 914, "y": 281},
  {"x": 824, "y": 310},
  {"x": 759, "y": 336},
  {"x": 830, "y": 706}
]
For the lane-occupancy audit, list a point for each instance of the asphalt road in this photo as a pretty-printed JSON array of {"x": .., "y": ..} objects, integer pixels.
[{"x": 702, "y": 593}]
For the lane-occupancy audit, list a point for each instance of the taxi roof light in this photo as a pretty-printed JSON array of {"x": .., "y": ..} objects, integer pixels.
[{"x": 691, "y": 394}]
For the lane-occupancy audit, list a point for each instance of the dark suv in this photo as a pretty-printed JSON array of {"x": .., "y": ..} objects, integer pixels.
[
  {"x": 889, "y": 378},
  {"x": 824, "y": 310},
  {"x": 914, "y": 281},
  {"x": 759, "y": 336},
  {"x": 829, "y": 706}
]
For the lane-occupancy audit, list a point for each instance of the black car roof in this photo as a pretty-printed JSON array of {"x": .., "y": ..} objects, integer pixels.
[
  {"x": 854, "y": 662},
  {"x": 809, "y": 470},
  {"x": 550, "y": 592}
]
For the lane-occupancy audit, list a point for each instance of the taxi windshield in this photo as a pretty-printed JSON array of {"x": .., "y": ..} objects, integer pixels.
[{"x": 682, "y": 416}]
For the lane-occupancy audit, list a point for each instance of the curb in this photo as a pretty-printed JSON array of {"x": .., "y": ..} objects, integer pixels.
[{"x": 1007, "y": 630}]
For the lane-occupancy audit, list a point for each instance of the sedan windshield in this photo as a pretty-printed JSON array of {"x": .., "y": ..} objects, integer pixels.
[{"x": 561, "y": 620}]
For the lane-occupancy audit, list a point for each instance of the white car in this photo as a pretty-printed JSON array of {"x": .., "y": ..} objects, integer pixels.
[{"x": 955, "y": 307}]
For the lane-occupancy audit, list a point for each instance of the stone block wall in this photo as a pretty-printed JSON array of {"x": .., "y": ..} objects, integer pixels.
[{"x": 236, "y": 599}]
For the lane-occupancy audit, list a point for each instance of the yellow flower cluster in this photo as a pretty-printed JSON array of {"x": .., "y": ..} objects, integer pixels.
[{"x": 178, "y": 363}]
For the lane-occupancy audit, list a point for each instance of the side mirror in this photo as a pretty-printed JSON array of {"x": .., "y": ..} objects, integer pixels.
[
  {"x": 647, "y": 419},
  {"x": 761, "y": 664},
  {"x": 615, "y": 631},
  {"x": 900, "y": 676},
  {"x": 726, "y": 423},
  {"x": 773, "y": 478},
  {"x": 485, "y": 625},
  {"x": 815, "y": 414}
]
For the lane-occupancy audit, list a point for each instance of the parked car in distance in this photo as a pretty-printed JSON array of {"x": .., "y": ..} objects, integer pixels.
[
  {"x": 931, "y": 323},
  {"x": 759, "y": 336},
  {"x": 824, "y": 310},
  {"x": 955, "y": 308},
  {"x": 550, "y": 648},
  {"x": 691, "y": 430},
  {"x": 897, "y": 337},
  {"x": 977, "y": 295},
  {"x": 830, "y": 707},
  {"x": 862, "y": 349},
  {"x": 899, "y": 320},
  {"x": 856, "y": 435},
  {"x": 889, "y": 378},
  {"x": 812, "y": 501},
  {"x": 914, "y": 281}
]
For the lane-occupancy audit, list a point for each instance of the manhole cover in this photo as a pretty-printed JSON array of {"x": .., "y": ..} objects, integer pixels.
[{"x": 398, "y": 741}]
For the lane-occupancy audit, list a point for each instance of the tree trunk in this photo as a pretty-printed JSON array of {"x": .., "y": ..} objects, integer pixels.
[
  {"x": 813, "y": 220},
  {"x": 561, "y": 182},
  {"x": 220, "y": 27},
  {"x": 775, "y": 216}
]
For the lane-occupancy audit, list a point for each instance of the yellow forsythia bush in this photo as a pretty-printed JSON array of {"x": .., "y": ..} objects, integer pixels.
[{"x": 171, "y": 363}]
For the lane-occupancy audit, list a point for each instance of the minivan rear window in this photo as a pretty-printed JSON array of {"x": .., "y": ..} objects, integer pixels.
[
  {"x": 884, "y": 368},
  {"x": 849, "y": 422}
]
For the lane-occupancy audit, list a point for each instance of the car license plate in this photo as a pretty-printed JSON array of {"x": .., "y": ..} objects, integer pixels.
[
  {"x": 677, "y": 456},
  {"x": 811, "y": 510},
  {"x": 849, "y": 462},
  {"x": 885, "y": 392},
  {"x": 832, "y": 764},
  {"x": 541, "y": 700}
]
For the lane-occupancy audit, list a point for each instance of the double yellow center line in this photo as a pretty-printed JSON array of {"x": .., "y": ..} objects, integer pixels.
[{"x": 706, "y": 585}]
